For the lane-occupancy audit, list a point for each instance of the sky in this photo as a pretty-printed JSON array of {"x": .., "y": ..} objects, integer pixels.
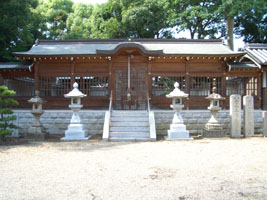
[{"x": 238, "y": 43}]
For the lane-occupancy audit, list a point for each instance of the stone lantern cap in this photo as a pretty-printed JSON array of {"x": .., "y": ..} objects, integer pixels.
[
  {"x": 177, "y": 93},
  {"x": 75, "y": 92},
  {"x": 36, "y": 99},
  {"x": 214, "y": 95}
]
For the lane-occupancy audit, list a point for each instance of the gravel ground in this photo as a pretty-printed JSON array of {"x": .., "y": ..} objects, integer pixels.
[{"x": 199, "y": 169}]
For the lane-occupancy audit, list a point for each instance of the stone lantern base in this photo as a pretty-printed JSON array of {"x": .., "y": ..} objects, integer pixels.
[
  {"x": 213, "y": 131},
  {"x": 37, "y": 132},
  {"x": 75, "y": 132},
  {"x": 178, "y": 132}
]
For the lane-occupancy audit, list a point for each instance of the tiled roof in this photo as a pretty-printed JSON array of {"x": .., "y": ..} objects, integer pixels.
[
  {"x": 13, "y": 65},
  {"x": 147, "y": 46},
  {"x": 257, "y": 53}
]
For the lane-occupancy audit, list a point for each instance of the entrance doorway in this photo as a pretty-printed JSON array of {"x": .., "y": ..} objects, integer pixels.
[{"x": 137, "y": 100}]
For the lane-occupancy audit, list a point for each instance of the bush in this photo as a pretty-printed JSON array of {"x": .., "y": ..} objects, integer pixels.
[{"x": 6, "y": 117}]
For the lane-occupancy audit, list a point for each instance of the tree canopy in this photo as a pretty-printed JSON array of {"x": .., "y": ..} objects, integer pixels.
[{"x": 23, "y": 21}]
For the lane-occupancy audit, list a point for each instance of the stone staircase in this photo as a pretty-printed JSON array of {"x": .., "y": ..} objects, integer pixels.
[{"x": 129, "y": 126}]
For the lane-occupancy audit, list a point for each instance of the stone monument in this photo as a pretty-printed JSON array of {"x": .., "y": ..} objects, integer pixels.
[
  {"x": 248, "y": 109},
  {"x": 213, "y": 128},
  {"x": 37, "y": 131},
  {"x": 177, "y": 128},
  {"x": 264, "y": 123},
  {"x": 235, "y": 116},
  {"x": 75, "y": 129}
]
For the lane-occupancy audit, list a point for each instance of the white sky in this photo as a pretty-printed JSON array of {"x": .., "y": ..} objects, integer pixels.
[{"x": 238, "y": 43}]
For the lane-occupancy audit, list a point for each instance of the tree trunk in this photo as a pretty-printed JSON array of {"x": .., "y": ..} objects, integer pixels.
[{"x": 230, "y": 32}]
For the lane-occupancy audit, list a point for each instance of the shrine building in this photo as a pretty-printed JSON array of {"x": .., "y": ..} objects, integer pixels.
[{"x": 141, "y": 68}]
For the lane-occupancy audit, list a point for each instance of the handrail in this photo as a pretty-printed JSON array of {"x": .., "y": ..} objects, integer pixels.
[
  {"x": 151, "y": 121},
  {"x": 110, "y": 102},
  {"x": 148, "y": 103},
  {"x": 105, "y": 136}
]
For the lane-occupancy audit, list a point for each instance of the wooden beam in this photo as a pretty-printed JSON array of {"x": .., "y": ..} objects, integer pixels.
[
  {"x": 72, "y": 72},
  {"x": 36, "y": 75}
]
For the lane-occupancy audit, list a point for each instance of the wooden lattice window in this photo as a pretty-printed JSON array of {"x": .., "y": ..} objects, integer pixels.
[
  {"x": 202, "y": 86},
  {"x": 23, "y": 86},
  {"x": 54, "y": 86},
  {"x": 242, "y": 86},
  {"x": 93, "y": 86},
  {"x": 163, "y": 85}
]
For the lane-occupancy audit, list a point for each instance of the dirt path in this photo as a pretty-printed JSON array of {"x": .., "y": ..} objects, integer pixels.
[{"x": 200, "y": 169}]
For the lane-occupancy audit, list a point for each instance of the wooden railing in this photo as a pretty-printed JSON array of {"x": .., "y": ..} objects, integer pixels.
[
  {"x": 105, "y": 136},
  {"x": 110, "y": 102},
  {"x": 151, "y": 122}
]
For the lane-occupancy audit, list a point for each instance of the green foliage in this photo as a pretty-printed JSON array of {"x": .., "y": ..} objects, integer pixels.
[
  {"x": 22, "y": 22},
  {"x": 6, "y": 117},
  {"x": 15, "y": 27},
  {"x": 253, "y": 24},
  {"x": 199, "y": 17}
]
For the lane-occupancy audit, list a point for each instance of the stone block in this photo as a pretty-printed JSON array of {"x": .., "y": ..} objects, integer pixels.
[
  {"x": 248, "y": 108},
  {"x": 235, "y": 116}
]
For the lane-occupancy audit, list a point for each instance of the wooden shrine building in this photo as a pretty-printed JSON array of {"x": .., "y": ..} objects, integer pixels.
[{"x": 131, "y": 70}]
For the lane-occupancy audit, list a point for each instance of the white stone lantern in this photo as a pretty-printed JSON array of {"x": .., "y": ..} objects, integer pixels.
[
  {"x": 177, "y": 128},
  {"x": 75, "y": 129},
  {"x": 213, "y": 128},
  {"x": 37, "y": 130}
]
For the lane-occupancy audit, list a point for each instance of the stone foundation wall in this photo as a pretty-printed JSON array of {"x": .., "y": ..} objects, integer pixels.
[
  {"x": 195, "y": 120},
  {"x": 56, "y": 121}
]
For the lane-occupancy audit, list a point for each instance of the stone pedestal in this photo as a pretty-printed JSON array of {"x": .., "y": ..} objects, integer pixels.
[
  {"x": 235, "y": 116},
  {"x": 75, "y": 130},
  {"x": 264, "y": 123},
  {"x": 213, "y": 128},
  {"x": 37, "y": 131},
  {"x": 177, "y": 128},
  {"x": 248, "y": 108}
]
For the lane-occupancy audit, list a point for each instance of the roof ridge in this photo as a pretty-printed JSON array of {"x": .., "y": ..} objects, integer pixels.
[{"x": 40, "y": 42}]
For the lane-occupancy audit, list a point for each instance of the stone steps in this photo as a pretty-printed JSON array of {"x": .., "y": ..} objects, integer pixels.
[{"x": 129, "y": 126}]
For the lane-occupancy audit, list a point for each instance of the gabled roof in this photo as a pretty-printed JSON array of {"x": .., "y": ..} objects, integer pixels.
[
  {"x": 257, "y": 53},
  {"x": 146, "y": 46}
]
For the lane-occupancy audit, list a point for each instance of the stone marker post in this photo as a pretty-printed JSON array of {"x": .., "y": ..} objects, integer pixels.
[
  {"x": 248, "y": 108},
  {"x": 235, "y": 116},
  {"x": 264, "y": 123}
]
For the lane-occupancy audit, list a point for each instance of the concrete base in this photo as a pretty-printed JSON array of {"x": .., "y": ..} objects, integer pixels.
[
  {"x": 75, "y": 132},
  {"x": 214, "y": 133},
  {"x": 178, "y": 135},
  {"x": 37, "y": 132}
]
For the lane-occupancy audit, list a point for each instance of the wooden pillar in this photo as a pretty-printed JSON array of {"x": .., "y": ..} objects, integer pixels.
[
  {"x": 72, "y": 80},
  {"x": 36, "y": 75},
  {"x": 149, "y": 78},
  {"x": 1, "y": 79},
  {"x": 187, "y": 86},
  {"x": 110, "y": 79},
  {"x": 259, "y": 89},
  {"x": 223, "y": 90}
]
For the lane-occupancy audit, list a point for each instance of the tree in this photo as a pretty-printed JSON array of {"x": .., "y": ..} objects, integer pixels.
[
  {"x": 198, "y": 17},
  {"x": 6, "y": 117},
  {"x": 16, "y": 27},
  {"x": 253, "y": 25},
  {"x": 54, "y": 14},
  {"x": 107, "y": 20},
  {"x": 79, "y": 23},
  {"x": 146, "y": 19}
]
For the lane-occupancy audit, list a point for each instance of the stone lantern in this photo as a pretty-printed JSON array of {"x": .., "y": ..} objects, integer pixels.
[
  {"x": 177, "y": 128},
  {"x": 37, "y": 130},
  {"x": 213, "y": 128},
  {"x": 75, "y": 129}
]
